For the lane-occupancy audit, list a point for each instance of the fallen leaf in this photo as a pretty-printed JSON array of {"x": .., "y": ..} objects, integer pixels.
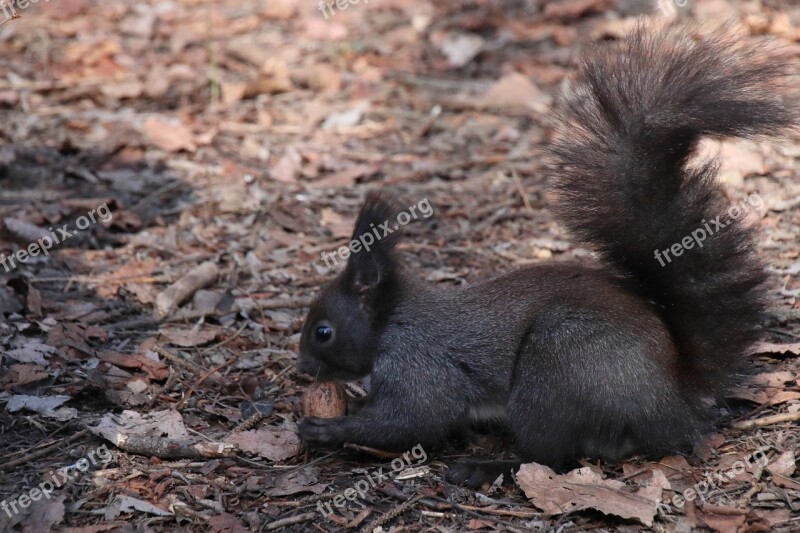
[
  {"x": 585, "y": 489},
  {"x": 458, "y": 48},
  {"x": 516, "y": 90},
  {"x": 39, "y": 517},
  {"x": 270, "y": 443},
  {"x": 119, "y": 91},
  {"x": 31, "y": 351},
  {"x": 305, "y": 480},
  {"x": 345, "y": 119},
  {"x": 24, "y": 374},
  {"x": 226, "y": 523},
  {"x": 168, "y": 136},
  {"x": 154, "y": 368},
  {"x": 784, "y": 465},
  {"x": 272, "y": 79},
  {"x": 189, "y": 337},
  {"x": 288, "y": 166},
  {"x": 728, "y": 522},
  {"x": 118, "y": 428},
  {"x": 127, "y": 504},
  {"x": 44, "y": 405}
]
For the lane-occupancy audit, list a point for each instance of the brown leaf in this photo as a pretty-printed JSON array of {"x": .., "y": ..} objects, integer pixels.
[
  {"x": 585, "y": 489},
  {"x": 288, "y": 167},
  {"x": 722, "y": 522},
  {"x": 226, "y": 523},
  {"x": 271, "y": 443},
  {"x": 272, "y": 79},
  {"x": 119, "y": 91},
  {"x": 155, "y": 369},
  {"x": 42, "y": 515},
  {"x": 168, "y": 136},
  {"x": 458, "y": 48},
  {"x": 305, "y": 480},
  {"x": 516, "y": 90},
  {"x": 783, "y": 465},
  {"x": 189, "y": 337},
  {"x": 118, "y": 429},
  {"x": 24, "y": 374}
]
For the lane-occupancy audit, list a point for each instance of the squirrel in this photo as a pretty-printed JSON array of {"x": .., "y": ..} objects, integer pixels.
[{"x": 624, "y": 357}]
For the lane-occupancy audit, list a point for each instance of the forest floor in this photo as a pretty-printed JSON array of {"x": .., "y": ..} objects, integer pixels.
[{"x": 195, "y": 158}]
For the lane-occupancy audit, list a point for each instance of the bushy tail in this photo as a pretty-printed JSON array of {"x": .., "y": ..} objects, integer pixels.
[{"x": 632, "y": 120}]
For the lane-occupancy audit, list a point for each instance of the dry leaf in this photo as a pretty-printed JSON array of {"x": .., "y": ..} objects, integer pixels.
[
  {"x": 24, "y": 374},
  {"x": 458, "y": 48},
  {"x": 44, "y": 405},
  {"x": 189, "y": 337},
  {"x": 288, "y": 166},
  {"x": 585, "y": 489},
  {"x": 126, "y": 504},
  {"x": 119, "y": 428},
  {"x": 345, "y": 119},
  {"x": 226, "y": 523},
  {"x": 168, "y": 136},
  {"x": 516, "y": 90},
  {"x": 783, "y": 465},
  {"x": 31, "y": 351},
  {"x": 270, "y": 443},
  {"x": 155, "y": 369}
]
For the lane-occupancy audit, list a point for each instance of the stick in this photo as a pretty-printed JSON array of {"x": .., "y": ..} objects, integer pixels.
[
  {"x": 290, "y": 521},
  {"x": 394, "y": 513},
  {"x": 767, "y": 421}
]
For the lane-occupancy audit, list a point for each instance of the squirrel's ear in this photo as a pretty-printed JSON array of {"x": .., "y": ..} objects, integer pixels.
[{"x": 373, "y": 263}]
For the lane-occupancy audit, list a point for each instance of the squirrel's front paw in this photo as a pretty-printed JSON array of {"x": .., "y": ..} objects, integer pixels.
[{"x": 316, "y": 431}]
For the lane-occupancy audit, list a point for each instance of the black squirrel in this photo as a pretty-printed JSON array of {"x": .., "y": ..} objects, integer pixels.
[{"x": 623, "y": 358}]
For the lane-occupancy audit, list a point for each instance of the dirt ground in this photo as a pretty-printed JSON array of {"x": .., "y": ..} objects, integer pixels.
[{"x": 195, "y": 158}]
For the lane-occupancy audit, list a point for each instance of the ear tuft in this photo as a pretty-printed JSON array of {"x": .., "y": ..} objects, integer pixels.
[
  {"x": 379, "y": 209},
  {"x": 377, "y": 232}
]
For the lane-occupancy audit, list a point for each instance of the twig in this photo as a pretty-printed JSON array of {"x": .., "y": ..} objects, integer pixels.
[
  {"x": 394, "y": 513},
  {"x": 297, "y": 519},
  {"x": 250, "y": 423},
  {"x": 521, "y": 188},
  {"x": 30, "y": 456},
  {"x": 202, "y": 379},
  {"x": 767, "y": 421}
]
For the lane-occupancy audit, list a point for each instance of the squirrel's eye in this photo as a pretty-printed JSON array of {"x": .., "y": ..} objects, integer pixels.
[{"x": 323, "y": 333}]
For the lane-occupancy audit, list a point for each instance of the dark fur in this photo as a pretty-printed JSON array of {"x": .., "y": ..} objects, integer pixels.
[{"x": 578, "y": 362}]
